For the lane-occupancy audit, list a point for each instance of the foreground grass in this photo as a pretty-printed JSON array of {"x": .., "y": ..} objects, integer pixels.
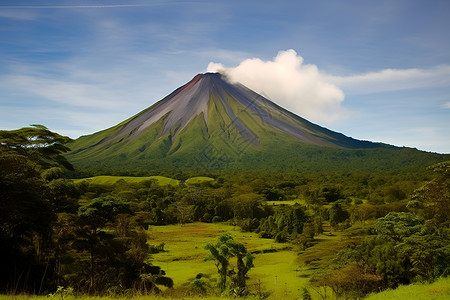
[
  {"x": 71, "y": 297},
  {"x": 439, "y": 290},
  {"x": 85, "y": 297}
]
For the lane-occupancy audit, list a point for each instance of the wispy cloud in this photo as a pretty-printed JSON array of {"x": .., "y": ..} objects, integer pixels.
[
  {"x": 60, "y": 91},
  {"x": 447, "y": 105},
  {"x": 292, "y": 84},
  {"x": 393, "y": 79}
]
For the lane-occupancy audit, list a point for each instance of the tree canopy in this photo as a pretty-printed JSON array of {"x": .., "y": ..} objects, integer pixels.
[{"x": 38, "y": 144}]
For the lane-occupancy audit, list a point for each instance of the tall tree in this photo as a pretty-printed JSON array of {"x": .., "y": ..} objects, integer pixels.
[
  {"x": 92, "y": 237},
  {"x": 433, "y": 198},
  {"x": 26, "y": 220},
  {"x": 221, "y": 252}
]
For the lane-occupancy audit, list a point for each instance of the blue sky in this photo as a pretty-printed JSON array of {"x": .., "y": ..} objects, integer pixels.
[{"x": 373, "y": 70}]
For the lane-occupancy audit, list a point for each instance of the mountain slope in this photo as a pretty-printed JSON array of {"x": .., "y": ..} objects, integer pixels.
[{"x": 211, "y": 124}]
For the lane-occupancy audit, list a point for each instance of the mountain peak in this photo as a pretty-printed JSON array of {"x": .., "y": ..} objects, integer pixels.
[
  {"x": 209, "y": 110},
  {"x": 231, "y": 103}
]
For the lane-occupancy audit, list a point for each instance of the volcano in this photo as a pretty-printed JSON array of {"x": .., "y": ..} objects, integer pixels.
[
  {"x": 213, "y": 124},
  {"x": 214, "y": 100}
]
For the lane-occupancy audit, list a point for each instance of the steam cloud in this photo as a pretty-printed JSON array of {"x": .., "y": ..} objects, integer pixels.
[{"x": 286, "y": 80}]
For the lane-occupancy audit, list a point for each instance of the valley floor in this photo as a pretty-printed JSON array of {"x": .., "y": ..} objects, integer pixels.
[{"x": 281, "y": 269}]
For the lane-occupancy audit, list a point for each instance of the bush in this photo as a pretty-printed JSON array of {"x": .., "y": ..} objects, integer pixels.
[
  {"x": 216, "y": 219},
  {"x": 282, "y": 237},
  {"x": 156, "y": 248}
]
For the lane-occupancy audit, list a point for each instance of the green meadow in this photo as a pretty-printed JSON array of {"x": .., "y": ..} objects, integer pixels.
[
  {"x": 276, "y": 268},
  {"x": 198, "y": 180},
  {"x": 110, "y": 180},
  {"x": 161, "y": 180},
  {"x": 281, "y": 269}
]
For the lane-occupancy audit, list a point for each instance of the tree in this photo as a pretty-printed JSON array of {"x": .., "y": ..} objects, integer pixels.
[
  {"x": 26, "y": 219},
  {"x": 42, "y": 146},
  {"x": 397, "y": 225},
  {"x": 221, "y": 252},
  {"x": 27, "y": 213},
  {"x": 142, "y": 275},
  {"x": 403, "y": 248},
  {"x": 273, "y": 194},
  {"x": 351, "y": 281},
  {"x": 244, "y": 263},
  {"x": 92, "y": 238},
  {"x": 433, "y": 198},
  {"x": 337, "y": 214}
]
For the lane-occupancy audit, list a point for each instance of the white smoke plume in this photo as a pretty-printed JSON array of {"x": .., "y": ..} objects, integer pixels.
[{"x": 298, "y": 87}]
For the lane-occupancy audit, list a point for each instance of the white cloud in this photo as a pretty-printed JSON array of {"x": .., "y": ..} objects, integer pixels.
[
  {"x": 286, "y": 80},
  {"x": 447, "y": 105},
  {"x": 393, "y": 79}
]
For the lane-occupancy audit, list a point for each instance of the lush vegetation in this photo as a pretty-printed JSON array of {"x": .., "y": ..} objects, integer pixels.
[{"x": 265, "y": 234}]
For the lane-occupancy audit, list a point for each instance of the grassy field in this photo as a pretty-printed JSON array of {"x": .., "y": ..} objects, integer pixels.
[
  {"x": 439, "y": 290},
  {"x": 198, "y": 179},
  {"x": 328, "y": 245},
  {"x": 280, "y": 269},
  {"x": 110, "y": 180},
  {"x": 275, "y": 269}
]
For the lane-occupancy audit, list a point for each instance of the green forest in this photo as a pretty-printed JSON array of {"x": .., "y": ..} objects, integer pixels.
[{"x": 340, "y": 234}]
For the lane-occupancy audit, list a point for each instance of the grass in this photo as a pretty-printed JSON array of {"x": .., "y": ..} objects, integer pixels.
[
  {"x": 439, "y": 290},
  {"x": 279, "y": 269},
  {"x": 198, "y": 179},
  {"x": 162, "y": 180},
  {"x": 110, "y": 180},
  {"x": 275, "y": 264},
  {"x": 84, "y": 297},
  {"x": 328, "y": 245}
]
